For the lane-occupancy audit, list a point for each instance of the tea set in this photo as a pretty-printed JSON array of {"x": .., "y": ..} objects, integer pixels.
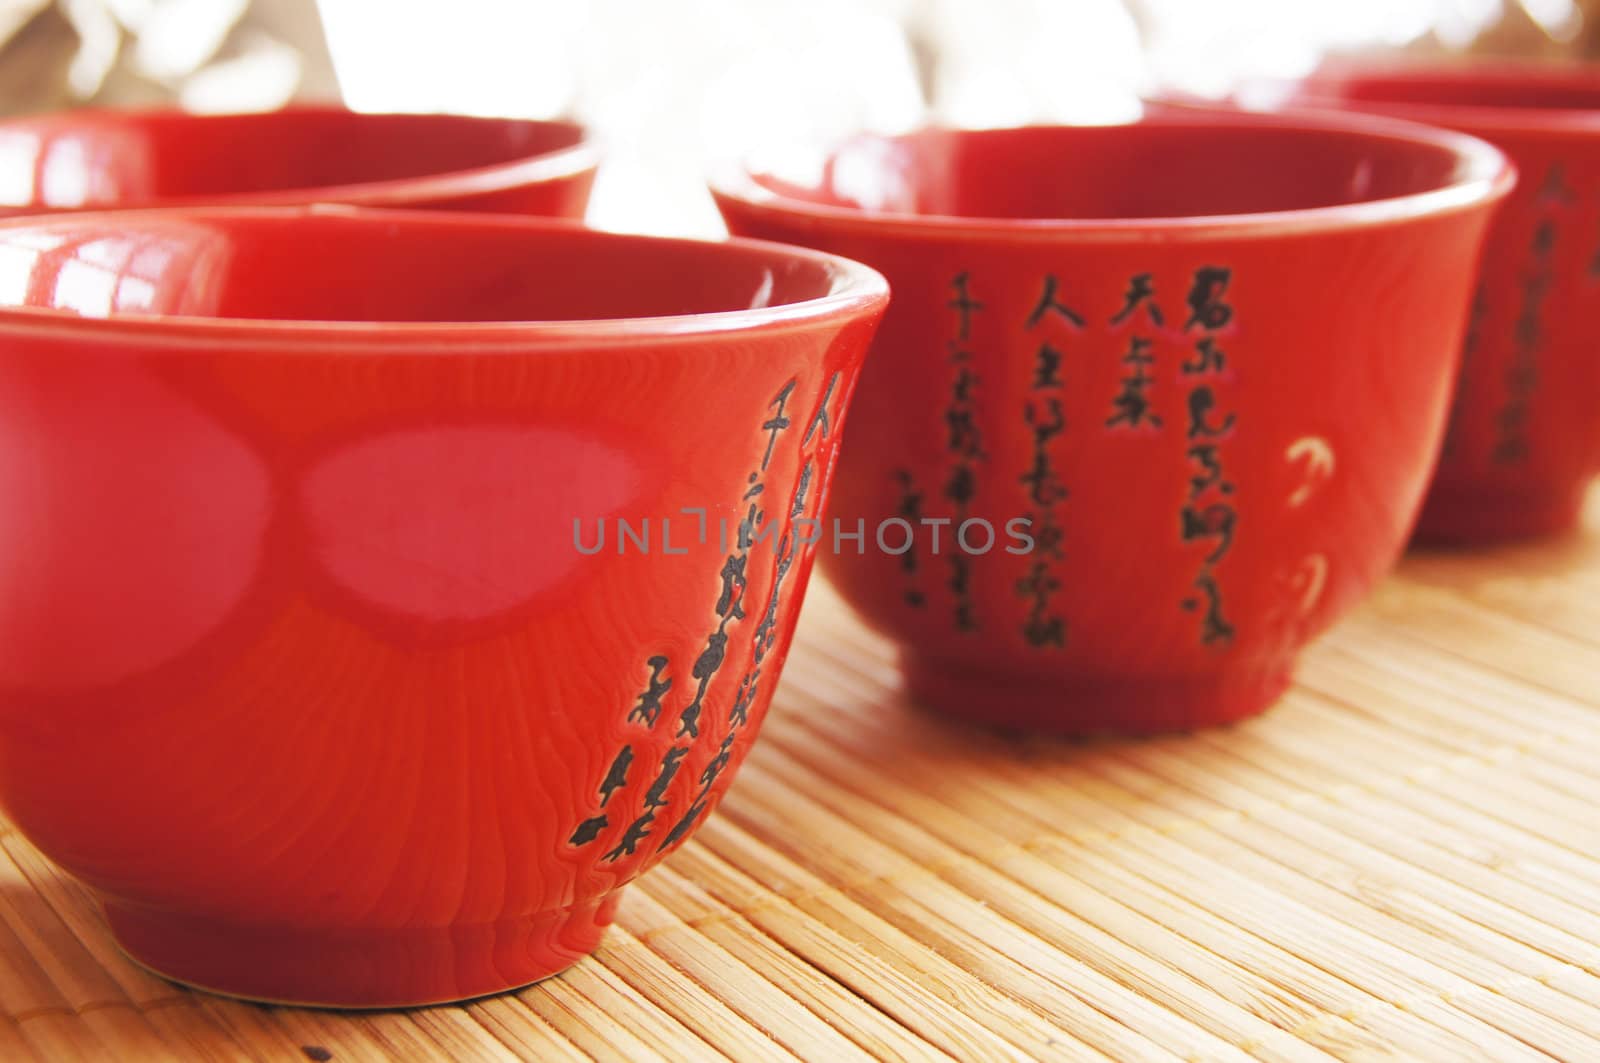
[{"x": 396, "y": 569}]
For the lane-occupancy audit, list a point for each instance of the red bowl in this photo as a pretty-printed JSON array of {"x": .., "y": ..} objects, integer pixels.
[
  {"x": 1183, "y": 380},
  {"x": 313, "y": 665},
  {"x": 98, "y": 159},
  {"x": 1524, "y": 434}
]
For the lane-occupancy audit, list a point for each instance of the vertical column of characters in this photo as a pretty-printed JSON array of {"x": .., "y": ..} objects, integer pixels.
[
  {"x": 647, "y": 710},
  {"x": 1208, "y": 515},
  {"x": 1046, "y": 418},
  {"x": 964, "y": 442},
  {"x": 1594, "y": 259},
  {"x": 801, "y": 530},
  {"x": 1469, "y": 352},
  {"x": 909, "y": 511},
  {"x": 1131, "y": 408},
  {"x": 1522, "y": 378}
]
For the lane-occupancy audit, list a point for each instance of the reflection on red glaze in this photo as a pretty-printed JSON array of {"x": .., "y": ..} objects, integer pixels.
[
  {"x": 303, "y": 154},
  {"x": 134, "y": 520},
  {"x": 1206, "y": 357},
  {"x": 302, "y": 672},
  {"x": 413, "y": 522}
]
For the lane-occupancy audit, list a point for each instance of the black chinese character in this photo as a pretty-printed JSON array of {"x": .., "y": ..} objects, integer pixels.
[
  {"x": 656, "y": 796},
  {"x": 1512, "y": 421},
  {"x": 1208, "y": 357},
  {"x": 750, "y": 527},
  {"x": 680, "y": 829},
  {"x": 963, "y": 304},
  {"x": 961, "y": 387},
  {"x": 1544, "y": 238},
  {"x": 910, "y": 500},
  {"x": 1530, "y": 326},
  {"x": 909, "y": 509},
  {"x": 730, "y": 602},
  {"x": 617, "y": 777},
  {"x": 1044, "y": 487},
  {"x": 964, "y": 436},
  {"x": 705, "y": 666},
  {"x": 1132, "y": 406},
  {"x": 708, "y": 776},
  {"x": 637, "y": 832},
  {"x": 962, "y": 485},
  {"x": 649, "y": 704},
  {"x": 1555, "y": 188},
  {"x": 1038, "y": 583},
  {"x": 960, "y": 579},
  {"x": 1048, "y": 536},
  {"x": 778, "y": 422},
  {"x": 1040, "y": 630},
  {"x": 1205, "y": 455},
  {"x": 821, "y": 418},
  {"x": 1201, "y": 402},
  {"x": 1214, "y": 627},
  {"x": 589, "y": 830},
  {"x": 1215, "y": 521},
  {"x": 1510, "y": 450},
  {"x": 1140, "y": 293},
  {"x": 1048, "y": 426},
  {"x": 1206, "y": 307},
  {"x": 739, "y": 715},
  {"x": 1047, "y": 368},
  {"x": 1048, "y": 303}
]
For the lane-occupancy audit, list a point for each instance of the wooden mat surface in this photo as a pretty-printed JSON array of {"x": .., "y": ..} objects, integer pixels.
[{"x": 1402, "y": 859}]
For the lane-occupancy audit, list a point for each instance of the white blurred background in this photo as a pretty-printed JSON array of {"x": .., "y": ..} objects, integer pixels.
[{"x": 670, "y": 85}]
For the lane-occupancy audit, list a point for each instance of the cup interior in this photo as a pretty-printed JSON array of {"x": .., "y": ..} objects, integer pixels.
[
  {"x": 365, "y": 266},
  {"x": 1158, "y": 168},
  {"x": 109, "y": 158}
]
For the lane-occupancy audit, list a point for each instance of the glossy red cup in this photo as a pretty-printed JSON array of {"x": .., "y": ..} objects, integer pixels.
[
  {"x": 1203, "y": 359},
  {"x": 1524, "y": 435},
  {"x": 384, "y": 591},
  {"x": 97, "y": 159}
]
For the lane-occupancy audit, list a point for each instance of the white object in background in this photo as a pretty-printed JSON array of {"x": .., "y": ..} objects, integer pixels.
[{"x": 507, "y": 58}]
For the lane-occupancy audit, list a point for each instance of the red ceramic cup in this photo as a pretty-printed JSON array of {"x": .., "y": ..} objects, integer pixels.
[
  {"x": 1154, "y": 403},
  {"x": 382, "y": 592},
  {"x": 304, "y": 154},
  {"x": 1524, "y": 435}
]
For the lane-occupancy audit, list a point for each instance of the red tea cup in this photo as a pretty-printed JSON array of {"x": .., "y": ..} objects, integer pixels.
[
  {"x": 1154, "y": 403},
  {"x": 1524, "y": 434},
  {"x": 384, "y": 591},
  {"x": 97, "y": 159}
]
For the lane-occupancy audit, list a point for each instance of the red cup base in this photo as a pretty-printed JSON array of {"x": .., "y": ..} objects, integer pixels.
[
  {"x": 1085, "y": 706},
  {"x": 1466, "y": 518},
  {"x": 337, "y": 968}
]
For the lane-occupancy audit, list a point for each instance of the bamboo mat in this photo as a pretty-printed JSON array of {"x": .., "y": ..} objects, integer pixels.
[{"x": 1401, "y": 860}]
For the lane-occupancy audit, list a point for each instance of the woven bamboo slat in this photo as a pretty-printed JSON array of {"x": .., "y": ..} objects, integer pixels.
[{"x": 1401, "y": 860}]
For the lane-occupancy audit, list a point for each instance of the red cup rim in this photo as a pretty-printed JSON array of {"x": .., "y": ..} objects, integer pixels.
[
  {"x": 1487, "y": 175},
  {"x": 558, "y": 163},
  {"x": 1486, "y": 118},
  {"x": 854, "y": 289}
]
